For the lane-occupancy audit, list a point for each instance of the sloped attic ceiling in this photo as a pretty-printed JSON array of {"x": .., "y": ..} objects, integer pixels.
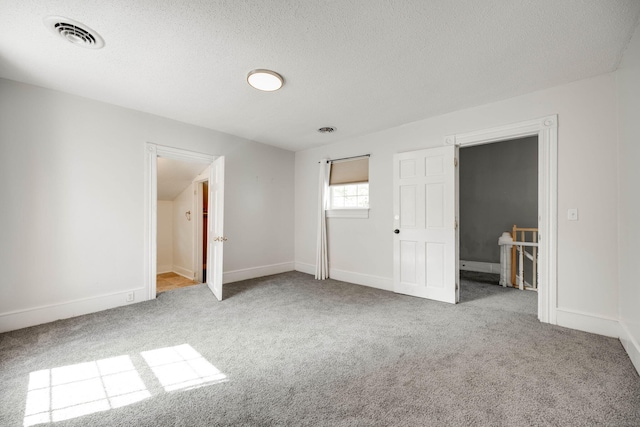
[{"x": 174, "y": 176}]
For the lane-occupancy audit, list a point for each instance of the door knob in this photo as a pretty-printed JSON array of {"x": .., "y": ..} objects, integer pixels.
[{"x": 396, "y": 231}]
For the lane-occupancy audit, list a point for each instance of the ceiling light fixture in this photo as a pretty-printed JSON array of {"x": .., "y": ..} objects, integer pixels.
[
  {"x": 265, "y": 80},
  {"x": 74, "y": 32}
]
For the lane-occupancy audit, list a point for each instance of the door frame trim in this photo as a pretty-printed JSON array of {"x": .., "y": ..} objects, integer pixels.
[
  {"x": 152, "y": 152},
  {"x": 546, "y": 129}
]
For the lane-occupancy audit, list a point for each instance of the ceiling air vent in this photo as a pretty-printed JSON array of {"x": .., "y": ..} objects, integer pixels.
[
  {"x": 74, "y": 32},
  {"x": 327, "y": 129}
]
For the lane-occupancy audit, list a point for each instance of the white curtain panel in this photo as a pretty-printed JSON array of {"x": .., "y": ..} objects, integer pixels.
[{"x": 322, "y": 258}]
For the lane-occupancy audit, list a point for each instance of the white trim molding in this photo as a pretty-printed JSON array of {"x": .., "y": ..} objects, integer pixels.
[
  {"x": 630, "y": 345},
  {"x": 588, "y": 322},
  {"x": 377, "y": 282},
  {"x": 546, "y": 129},
  {"x": 184, "y": 272},
  {"x": 501, "y": 133},
  {"x": 51, "y": 312},
  {"x": 481, "y": 267},
  {"x": 253, "y": 272},
  {"x": 150, "y": 219},
  {"x": 161, "y": 269},
  {"x": 303, "y": 267},
  {"x": 348, "y": 213}
]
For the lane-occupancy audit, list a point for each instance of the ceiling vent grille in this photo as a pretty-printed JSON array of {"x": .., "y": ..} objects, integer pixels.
[
  {"x": 74, "y": 32},
  {"x": 327, "y": 129}
]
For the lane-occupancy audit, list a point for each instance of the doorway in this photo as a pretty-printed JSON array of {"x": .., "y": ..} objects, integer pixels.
[
  {"x": 498, "y": 189},
  {"x": 426, "y": 214},
  {"x": 214, "y": 231},
  {"x": 177, "y": 222},
  {"x": 546, "y": 130}
]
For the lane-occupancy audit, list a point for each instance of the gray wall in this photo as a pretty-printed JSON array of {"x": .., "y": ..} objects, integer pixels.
[{"x": 498, "y": 188}]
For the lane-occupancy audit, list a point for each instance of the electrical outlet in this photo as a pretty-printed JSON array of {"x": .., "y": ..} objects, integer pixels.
[{"x": 130, "y": 297}]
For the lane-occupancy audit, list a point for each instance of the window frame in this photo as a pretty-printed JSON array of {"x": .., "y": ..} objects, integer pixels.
[
  {"x": 346, "y": 178},
  {"x": 348, "y": 212}
]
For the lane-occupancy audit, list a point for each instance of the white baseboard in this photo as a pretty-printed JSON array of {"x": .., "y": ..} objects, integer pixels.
[
  {"x": 630, "y": 345},
  {"x": 377, "y": 282},
  {"x": 184, "y": 272},
  {"x": 253, "y": 272},
  {"x": 305, "y": 268},
  {"x": 588, "y": 322},
  {"x": 481, "y": 267},
  {"x": 161, "y": 269},
  {"x": 48, "y": 313}
]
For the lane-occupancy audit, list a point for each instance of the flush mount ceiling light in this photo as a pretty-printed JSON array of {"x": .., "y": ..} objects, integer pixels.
[
  {"x": 265, "y": 80},
  {"x": 327, "y": 129},
  {"x": 74, "y": 32}
]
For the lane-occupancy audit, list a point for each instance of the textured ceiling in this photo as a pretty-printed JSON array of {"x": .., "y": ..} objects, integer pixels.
[
  {"x": 358, "y": 65},
  {"x": 174, "y": 176}
]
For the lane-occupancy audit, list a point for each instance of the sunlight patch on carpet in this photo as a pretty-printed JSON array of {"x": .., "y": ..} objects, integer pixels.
[
  {"x": 182, "y": 368},
  {"x": 72, "y": 391}
]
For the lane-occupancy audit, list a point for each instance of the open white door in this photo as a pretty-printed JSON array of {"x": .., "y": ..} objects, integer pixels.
[
  {"x": 215, "y": 238},
  {"x": 425, "y": 261}
]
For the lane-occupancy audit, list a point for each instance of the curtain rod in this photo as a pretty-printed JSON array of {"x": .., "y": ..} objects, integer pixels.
[{"x": 347, "y": 158}]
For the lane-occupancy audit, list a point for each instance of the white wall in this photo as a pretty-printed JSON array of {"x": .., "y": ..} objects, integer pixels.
[
  {"x": 165, "y": 236},
  {"x": 72, "y": 186},
  {"x": 183, "y": 233},
  {"x": 587, "y": 179},
  {"x": 628, "y": 76}
]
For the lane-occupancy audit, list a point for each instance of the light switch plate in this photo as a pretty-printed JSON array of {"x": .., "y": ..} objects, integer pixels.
[{"x": 572, "y": 214}]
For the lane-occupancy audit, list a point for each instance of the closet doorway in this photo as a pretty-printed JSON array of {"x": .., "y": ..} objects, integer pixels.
[
  {"x": 179, "y": 224},
  {"x": 215, "y": 217}
]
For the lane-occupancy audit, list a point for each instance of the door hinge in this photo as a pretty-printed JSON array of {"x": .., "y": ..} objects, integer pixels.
[
  {"x": 455, "y": 161},
  {"x": 457, "y": 286},
  {"x": 455, "y": 224}
]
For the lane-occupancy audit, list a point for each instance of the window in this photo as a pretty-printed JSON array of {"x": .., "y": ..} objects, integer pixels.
[
  {"x": 350, "y": 196},
  {"x": 349, "y": 188}
]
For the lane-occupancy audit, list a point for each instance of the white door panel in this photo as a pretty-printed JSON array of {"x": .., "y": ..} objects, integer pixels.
[
  {"x": 409, "y": 205},
  {"x": 434, "y": 203},
  {"x": 216, "y": 238},
  {"x": 425, "y": 219}
]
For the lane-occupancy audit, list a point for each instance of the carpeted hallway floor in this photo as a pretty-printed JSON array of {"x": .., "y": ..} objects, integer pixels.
[{"x": 289, "y": 350}]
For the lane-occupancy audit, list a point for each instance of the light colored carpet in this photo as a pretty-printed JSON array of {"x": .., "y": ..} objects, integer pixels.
[{"x": 295, "y": 351}]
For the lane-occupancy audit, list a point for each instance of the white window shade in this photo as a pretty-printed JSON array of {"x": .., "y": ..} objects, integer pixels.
[{"x": 349, "y": 171}]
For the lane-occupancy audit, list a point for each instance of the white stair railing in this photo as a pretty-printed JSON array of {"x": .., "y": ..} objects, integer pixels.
[
  {"x": 532, "y": 256},
  {"x": 512, "y": 270}
]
